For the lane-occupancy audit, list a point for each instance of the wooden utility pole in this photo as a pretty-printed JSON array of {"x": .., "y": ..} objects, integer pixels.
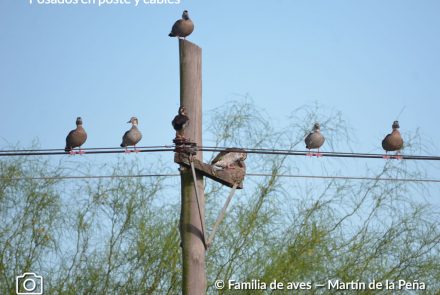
[{"x": 192, "y": 218}]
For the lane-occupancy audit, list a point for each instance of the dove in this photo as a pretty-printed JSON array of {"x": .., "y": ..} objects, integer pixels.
[
  {"x": 182, "y": 27},
  {"x": 314, "y": 140},
  {"x": 393, "y": 141},
  {"x": 229, "y": 158},
  {"x": 179, "y": 123},
  {"x": 132, "y": 136},
  {"x": 76, "y": 138}
]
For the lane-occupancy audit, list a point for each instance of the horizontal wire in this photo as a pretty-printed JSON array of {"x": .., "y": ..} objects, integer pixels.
[
  {"x": 151, "y": 149},
  {"x": 348, "y": 177},
  {"x": 83, "y": 149},
  {"x": 87, "y": 177},
  {"x": 171, "y": 147},
  {"x": 248, "y": 174},
  {"x": 84, "y": 152},
  {"x": 328, "y": 154}
]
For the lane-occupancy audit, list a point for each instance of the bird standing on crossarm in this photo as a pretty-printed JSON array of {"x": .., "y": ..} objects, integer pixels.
[
  {"x": 132, "y": 136},
  {"x": 179, "y": 124},
  {"x": 229, "y": 159},
  {"x": 76, "y": 138}
]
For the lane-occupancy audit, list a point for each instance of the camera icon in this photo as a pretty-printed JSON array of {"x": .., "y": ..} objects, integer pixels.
[{"x": 29, "y": 284}]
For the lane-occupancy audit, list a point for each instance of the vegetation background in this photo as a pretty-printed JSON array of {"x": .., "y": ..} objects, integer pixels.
[{"x": 120, "y": 235}]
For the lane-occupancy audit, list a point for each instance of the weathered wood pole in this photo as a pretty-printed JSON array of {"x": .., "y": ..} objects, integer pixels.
[{"x": 192, "y": 221}]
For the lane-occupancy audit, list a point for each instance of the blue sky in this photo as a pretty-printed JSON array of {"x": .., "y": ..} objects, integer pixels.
[{"x": 368, "y": 59}]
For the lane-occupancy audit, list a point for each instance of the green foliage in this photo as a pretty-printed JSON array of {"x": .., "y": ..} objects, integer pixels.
[
  {"x": 29, "y": 213},
  {"x": 120, "y": 235}
]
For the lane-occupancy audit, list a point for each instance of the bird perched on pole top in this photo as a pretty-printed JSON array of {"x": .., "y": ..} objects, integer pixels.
[
  {"x": 132, "y": 136},
  {"x": 393, "y": 141},
  {"x": 76, "y": 138},
  {"x": 230, "y": 158},
  {"x": 182, "y": 27},
  {"x": 314, "y": 140},
  {"x": 179, "y": 124}
]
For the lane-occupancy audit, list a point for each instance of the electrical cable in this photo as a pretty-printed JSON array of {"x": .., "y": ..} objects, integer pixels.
[
  {"x": 66, "y": 177},
  {"x": 165, "y": 148}
]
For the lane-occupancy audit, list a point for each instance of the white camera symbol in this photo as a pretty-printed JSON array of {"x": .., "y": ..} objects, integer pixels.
[{"x": 29, "y": 283}]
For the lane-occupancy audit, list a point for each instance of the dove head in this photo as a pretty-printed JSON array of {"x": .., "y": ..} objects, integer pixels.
[
  {"x": 316, "y": 126},
  {"x": 133, "y": 120},
  {"x": 185, "y": 15},
  {"x": 182, "y": 110},
  {"x": 241, "y": 153},
  {"x": 396, "y": 125},
  {"x": 79, "y": 121}
]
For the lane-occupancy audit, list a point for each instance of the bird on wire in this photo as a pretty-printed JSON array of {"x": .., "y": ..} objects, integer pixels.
[
  {"x": 132, "y": 136},
  {"x": 393, "y": 142},
  {"x": 314, "y": 140},
  {"x": 230, "y": 158},
  {"x": 182, "y": 27},
  {"x": 76, "y": 138},
  {"x": 179, "y": 124}
]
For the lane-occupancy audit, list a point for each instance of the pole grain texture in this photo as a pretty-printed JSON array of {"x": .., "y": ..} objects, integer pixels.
[{"x": 191, "y": 220}]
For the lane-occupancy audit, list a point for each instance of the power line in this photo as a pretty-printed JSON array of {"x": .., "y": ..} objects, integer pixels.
[
  {"x": 54, "y": 152},
  {"x": 64, "y": 177},
  {"x": 248, "y": 174},
  {"x": 349, "y": 177},
  {"x": 83, "y": 149},
  {"x": 170, "y": 148},
  {"x": 326, "y": 154}
]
